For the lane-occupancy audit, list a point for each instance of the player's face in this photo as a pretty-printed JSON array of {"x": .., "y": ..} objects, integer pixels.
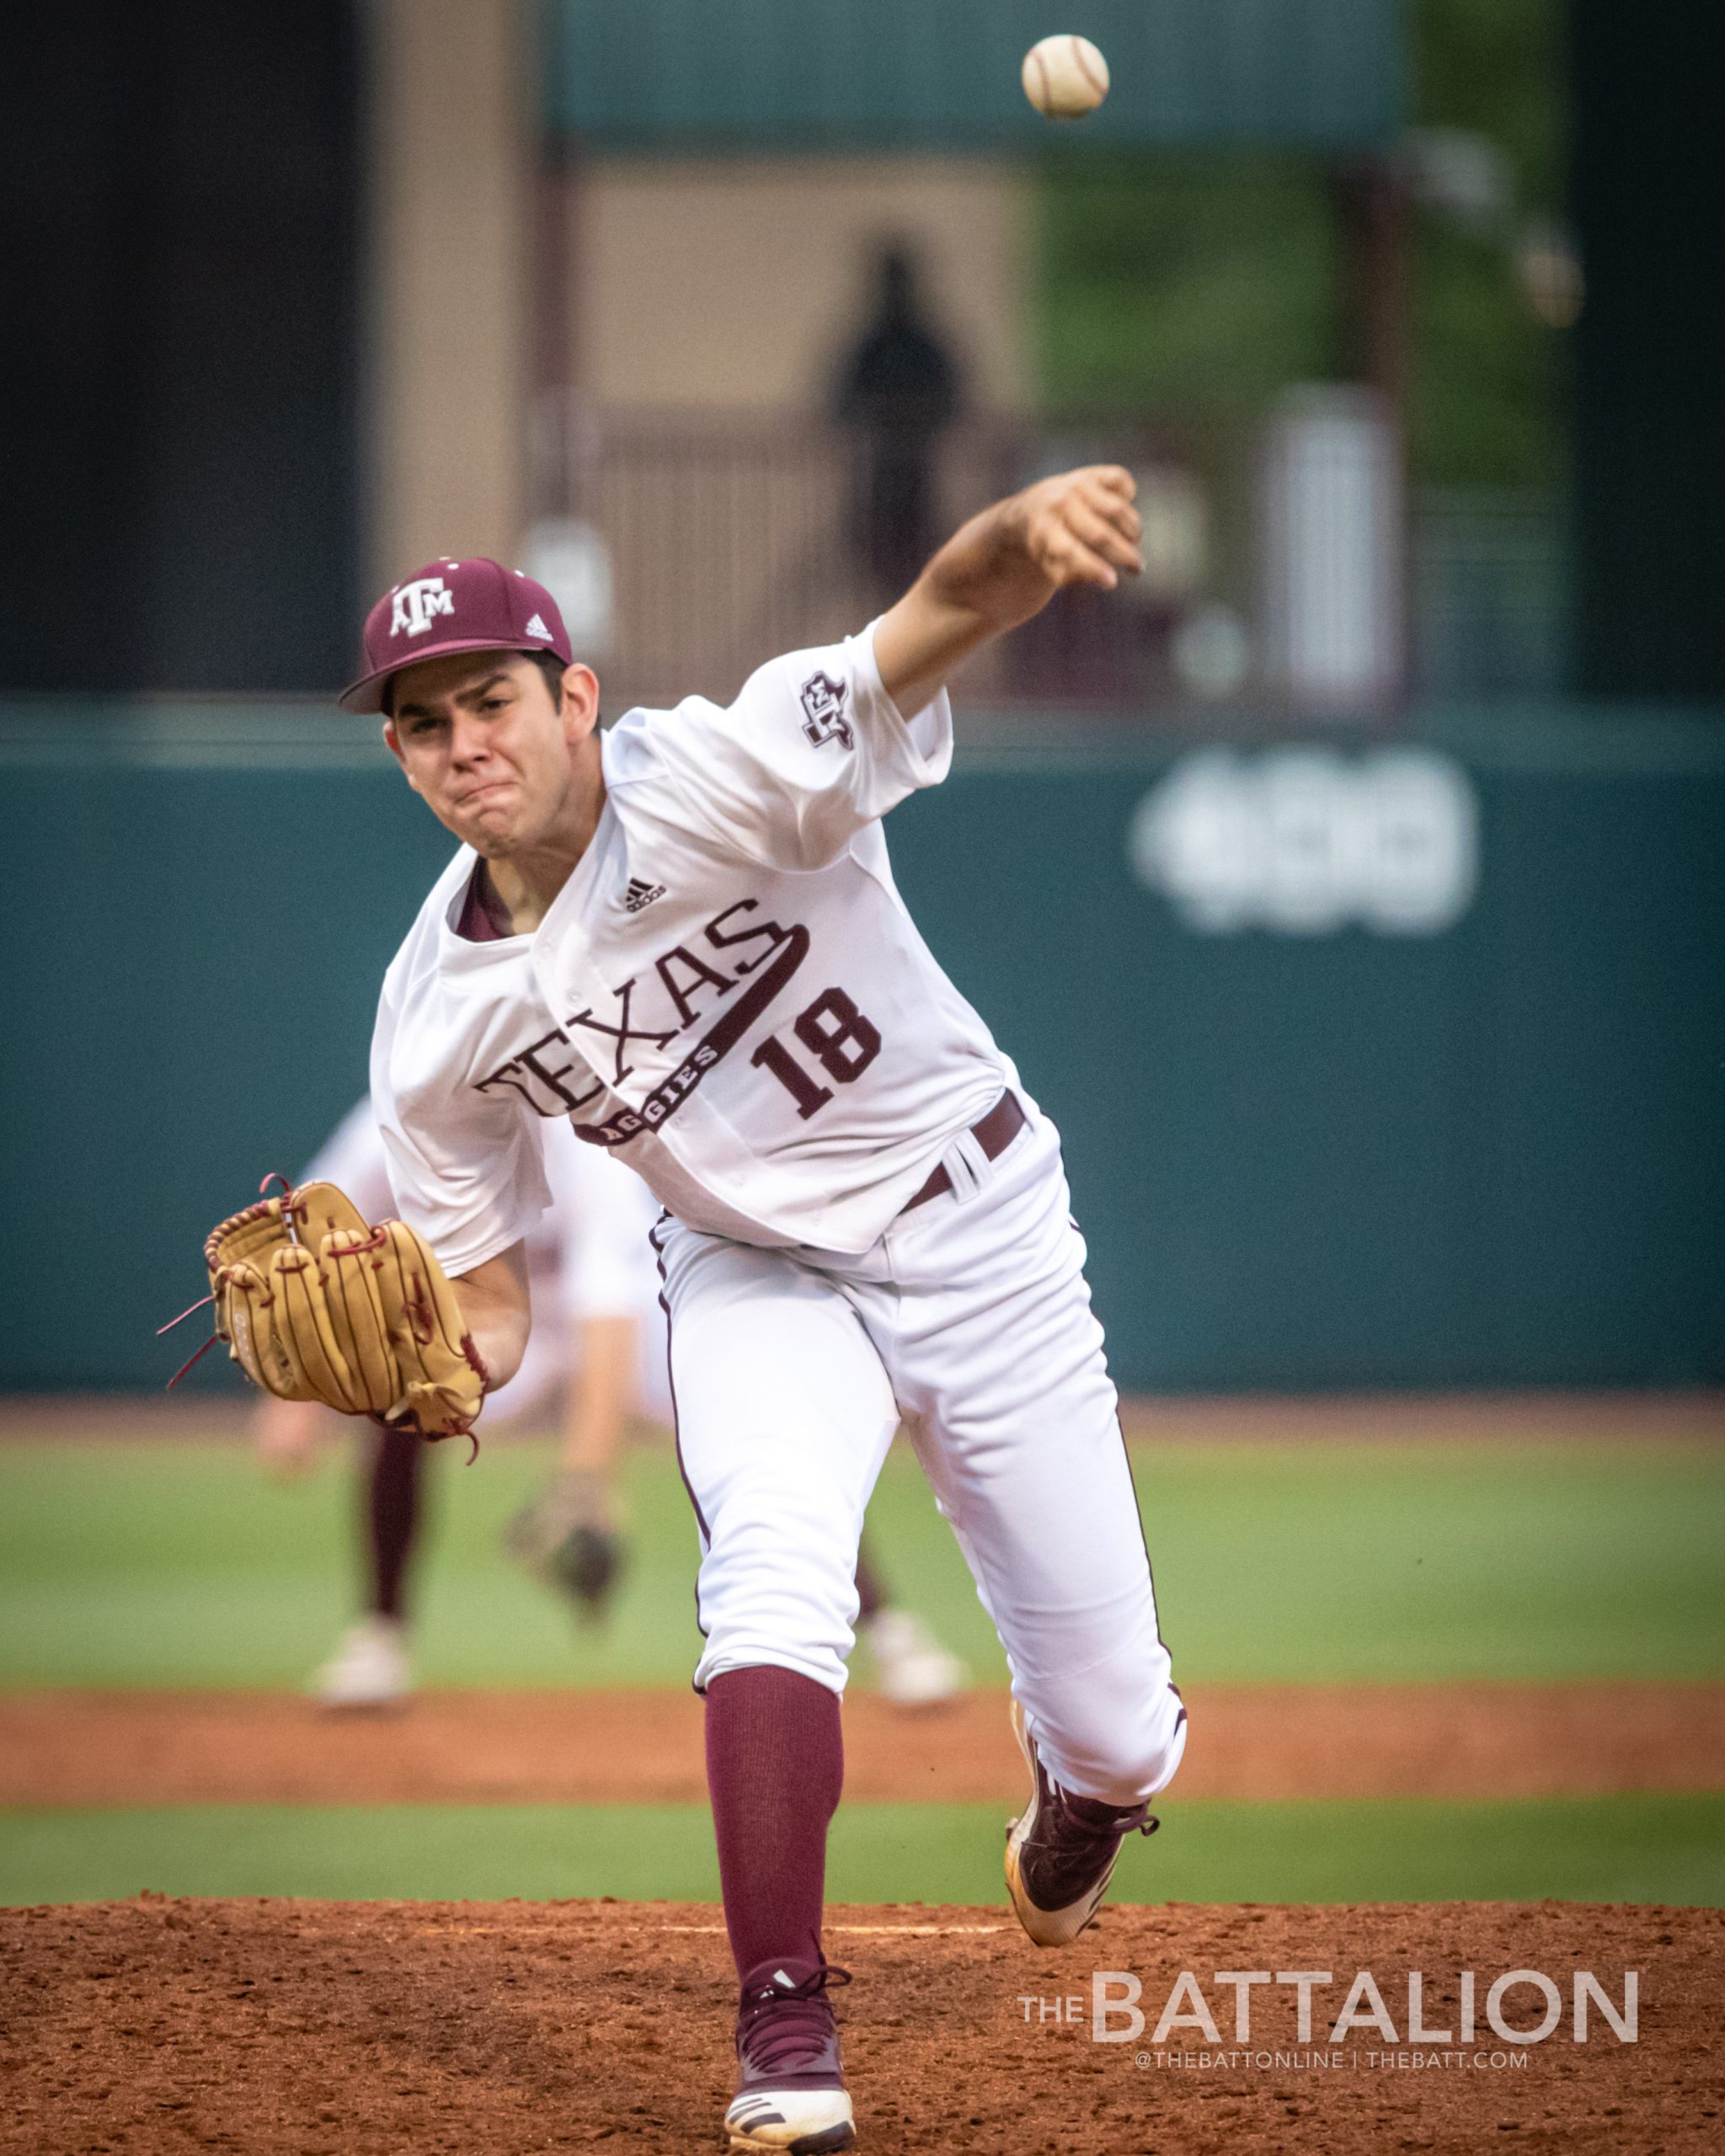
[{"x": 501, "y": 760}]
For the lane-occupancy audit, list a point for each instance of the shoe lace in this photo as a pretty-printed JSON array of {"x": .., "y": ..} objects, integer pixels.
[
  {"x": 1066, "y": 1827},
  {"x": 784, "y": 2026},
  {"x": 1139, "y": 1819}
]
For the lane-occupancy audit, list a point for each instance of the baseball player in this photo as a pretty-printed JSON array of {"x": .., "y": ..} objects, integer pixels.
[
  {"x": 601, "y": 1359},
  {"x": 683, "y": 936}
]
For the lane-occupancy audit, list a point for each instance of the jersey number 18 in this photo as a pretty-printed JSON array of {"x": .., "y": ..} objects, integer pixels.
[{"x": 839, "y": 1037}]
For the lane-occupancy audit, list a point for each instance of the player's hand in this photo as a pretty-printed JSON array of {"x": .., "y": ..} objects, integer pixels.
[
  {"x": 289, "y": 1436},
  {"x": 1079, "y": 527},
  {"x": 1002, "y": 566}
]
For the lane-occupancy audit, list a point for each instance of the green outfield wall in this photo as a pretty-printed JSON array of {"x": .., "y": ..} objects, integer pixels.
[
  {"x": 765, "y": 76},
  {"x": 1378, "y": 1065}
]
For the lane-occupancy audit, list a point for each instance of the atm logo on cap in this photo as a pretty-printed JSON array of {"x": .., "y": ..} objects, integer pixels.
[{"x": 418, "y": 604}]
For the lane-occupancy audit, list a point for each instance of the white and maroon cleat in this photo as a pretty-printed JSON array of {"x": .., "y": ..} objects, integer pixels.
[
  {"x": 790, "y": 2093},
  {"x": 1058, "y": 1863}
]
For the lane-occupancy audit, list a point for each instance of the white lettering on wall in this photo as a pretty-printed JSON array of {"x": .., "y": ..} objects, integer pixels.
[{"x": 1305, "y": 841}]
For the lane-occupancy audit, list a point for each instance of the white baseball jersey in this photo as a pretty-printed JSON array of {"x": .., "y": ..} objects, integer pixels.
[{"x": 728, "y": 991}]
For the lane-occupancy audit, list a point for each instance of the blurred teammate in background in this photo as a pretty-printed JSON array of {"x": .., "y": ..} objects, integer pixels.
[{"x": 599, "y": 1350}]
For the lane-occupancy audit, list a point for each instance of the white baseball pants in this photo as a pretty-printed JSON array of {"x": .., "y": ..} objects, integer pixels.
[{"x": 970, "y": 1320}]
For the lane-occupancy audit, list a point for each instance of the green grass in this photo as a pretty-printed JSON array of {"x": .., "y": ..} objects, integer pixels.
[
  {"x": 151, "y": 1563},
  {"x": 167, "y": 1564},
  {"x": 1632, "y": 1849},
  {"x": 1430, "y": 1561}
]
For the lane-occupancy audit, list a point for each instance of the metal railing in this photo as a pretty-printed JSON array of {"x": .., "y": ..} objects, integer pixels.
[
  {"x": 708, "y": 543},
  {"x": 726, "y": 539}
]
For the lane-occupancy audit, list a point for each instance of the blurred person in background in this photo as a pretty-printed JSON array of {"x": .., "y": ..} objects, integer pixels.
[
  {"x": 898, "y": 390},
  {"x": 605, "y": 1359}
]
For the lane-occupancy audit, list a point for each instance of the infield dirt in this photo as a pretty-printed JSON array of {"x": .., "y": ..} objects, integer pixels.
[
  {"x": 645, "y": 1747},
  {"x": 328, "y": 2029}
]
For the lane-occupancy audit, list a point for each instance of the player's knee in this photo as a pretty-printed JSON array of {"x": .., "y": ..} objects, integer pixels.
[
  {"x": 777, "y": 1591},
  {"x": 1122, "y": 1744}
]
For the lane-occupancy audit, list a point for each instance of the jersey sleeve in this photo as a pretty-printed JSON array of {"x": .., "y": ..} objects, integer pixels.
[
  {"x": 463, "y": 1166},
  {"x": 812, "y": 751},
  {"x": 351, "y": 1157}
]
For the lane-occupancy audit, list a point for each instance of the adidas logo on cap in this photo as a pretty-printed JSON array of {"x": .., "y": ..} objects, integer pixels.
[{"x": 536, "y": 627}]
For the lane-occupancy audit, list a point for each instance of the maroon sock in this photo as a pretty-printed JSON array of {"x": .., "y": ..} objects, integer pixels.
[
  {"x": 871, "y": 1588},
  {"x": 775, "y": 1766},
  {"x": 392, "y": 1517}
]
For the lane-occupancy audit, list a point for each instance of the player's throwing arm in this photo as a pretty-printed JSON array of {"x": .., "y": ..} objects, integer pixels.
[{"x": 1001, "y": 567}]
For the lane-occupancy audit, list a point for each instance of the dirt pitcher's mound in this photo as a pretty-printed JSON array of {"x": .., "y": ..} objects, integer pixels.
[
  {"x": 340, "y": 2029},
  {"x": 645, "y": 1747}
]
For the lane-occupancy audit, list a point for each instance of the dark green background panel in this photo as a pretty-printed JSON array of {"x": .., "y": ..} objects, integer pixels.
[
  {"x": 1490, "y": 1156},
  {"x": 809, "y": 75},
  {"x": 195, "y": 1011}
]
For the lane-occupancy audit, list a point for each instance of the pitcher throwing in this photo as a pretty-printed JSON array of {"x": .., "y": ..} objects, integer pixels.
[{"x": 683, "y": 936}]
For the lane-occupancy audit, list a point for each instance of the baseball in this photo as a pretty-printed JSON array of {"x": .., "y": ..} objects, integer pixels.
[{"x": 1065, "y": 77}]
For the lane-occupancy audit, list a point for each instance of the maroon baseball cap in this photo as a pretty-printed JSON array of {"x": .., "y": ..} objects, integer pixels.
[{"x": 475, "y": 605}]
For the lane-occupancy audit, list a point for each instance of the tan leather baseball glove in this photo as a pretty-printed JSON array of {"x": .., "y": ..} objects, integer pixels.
[{"x": 315, "y": 1303}]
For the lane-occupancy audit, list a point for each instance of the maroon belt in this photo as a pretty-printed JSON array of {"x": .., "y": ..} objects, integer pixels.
[{"x": 994, "y": 1133}]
